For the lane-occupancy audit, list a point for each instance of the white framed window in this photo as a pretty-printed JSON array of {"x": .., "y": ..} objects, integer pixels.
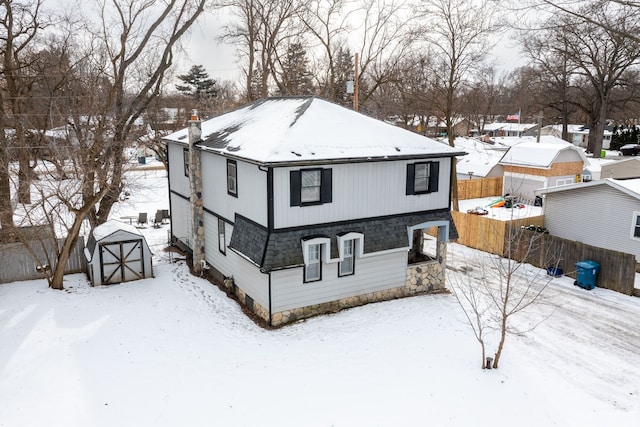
[
  {"x": 222, "y": 244},
  {"x": 232, "y": 178},
  {"x": 421, "y": 178},
  {"x": 564, "y": 181},
  {"x": 347, "y": 263},
  {"x": 314, "y": 251},
  {"x": 635, "y": 226},
  {"x": 185, "y": 159},
  {"x": 313, "y": 266},
  {"x": 311, "y": 181}
]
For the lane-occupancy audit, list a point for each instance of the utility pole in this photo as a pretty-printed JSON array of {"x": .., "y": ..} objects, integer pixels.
[{"x": 355, "y": 84}]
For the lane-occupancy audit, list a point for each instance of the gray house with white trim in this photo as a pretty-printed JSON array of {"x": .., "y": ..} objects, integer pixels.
[
  {"x": 310, "y": 207},
  {"x": 603, "y": 213}
]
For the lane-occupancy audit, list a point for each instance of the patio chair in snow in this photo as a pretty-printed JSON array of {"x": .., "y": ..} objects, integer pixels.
[
  {"x": 157, "y": 220},
  {"x": 142, "y": 219}
]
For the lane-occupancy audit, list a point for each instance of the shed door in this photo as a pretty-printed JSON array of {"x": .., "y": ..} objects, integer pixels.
[{"x": 121, "y": 261}]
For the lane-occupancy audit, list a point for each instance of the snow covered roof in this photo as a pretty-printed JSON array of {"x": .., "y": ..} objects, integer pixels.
[
  {"x": 482, "y": 157},
  {"x": 628, "y": 186},
  {"x": 309, "y": 129},
  {"x": 538, "y": 154},
  {"x": 505, "y": 142},
  {"x": 508, "y": 127},
  {"x": 574, "y": 129},
  {"x": 110, "y": 227}
]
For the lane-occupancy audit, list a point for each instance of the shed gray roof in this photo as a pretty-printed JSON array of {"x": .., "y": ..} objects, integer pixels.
[{"x": 282, "y": 248}]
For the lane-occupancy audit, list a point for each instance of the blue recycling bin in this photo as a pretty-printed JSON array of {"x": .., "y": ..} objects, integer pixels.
[{"x": 587, "y": 272}]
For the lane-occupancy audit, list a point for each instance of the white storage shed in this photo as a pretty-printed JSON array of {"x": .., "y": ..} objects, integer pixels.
[{"x": 117, "y": 252}]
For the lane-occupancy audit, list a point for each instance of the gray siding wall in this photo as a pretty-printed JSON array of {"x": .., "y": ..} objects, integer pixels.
[
  {"x": 245, "y": 274},
  {"x": 251, "y": 185},
  {"x": 360, "y": 190},
  {"x": 598, "y": 216},
  {"x": 372, "y": 273}
]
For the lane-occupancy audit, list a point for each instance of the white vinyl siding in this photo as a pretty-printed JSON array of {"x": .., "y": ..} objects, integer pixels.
[
  {"x": 180, "y": 224},
  {"x": 245, "y": 274},
  {"x": 250, "y": 202},
  {"x": 179, "y": 181},
  {"x": 586, "y": 215},
  {"x": 523, "y": 186},
  {"x": 360, "y": 190},
  {"x": 375, "y": 273}
]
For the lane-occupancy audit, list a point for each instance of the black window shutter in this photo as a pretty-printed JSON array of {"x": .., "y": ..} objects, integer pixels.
[
  {"x": 411, "y": 176},
  {"x": 434, "y": 173},
  {"x": 295, "y": 187},
  {"x": 326, "y": 190}
]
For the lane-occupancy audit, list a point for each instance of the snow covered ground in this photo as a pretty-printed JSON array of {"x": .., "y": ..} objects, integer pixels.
[{"x": 175, "y": 351}]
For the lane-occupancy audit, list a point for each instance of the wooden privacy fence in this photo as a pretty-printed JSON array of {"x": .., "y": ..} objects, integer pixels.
[
  {"x": 19, "y": 263},
  {"x": 487, "y": 234},
  {"x": 617, "y": 269},
  {"x": 479, "y": 188}
]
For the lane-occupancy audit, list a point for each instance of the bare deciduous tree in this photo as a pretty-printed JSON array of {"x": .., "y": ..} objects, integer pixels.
[
  {"x": 20, "y": 25},
  {"x": 493, "y": 290},
  {"x": 121, "y": 55},
  {"x": 327, "y": 21},
  {"x": 458, "y": 32}
]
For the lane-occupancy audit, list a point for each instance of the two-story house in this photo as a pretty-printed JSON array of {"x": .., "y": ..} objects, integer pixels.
[{"x": 309, "y": 207}]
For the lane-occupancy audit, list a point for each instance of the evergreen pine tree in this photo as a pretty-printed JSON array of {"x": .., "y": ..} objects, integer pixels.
[
  {"x": 197, "y": 84},
  {"x": 296, "y": 77}
]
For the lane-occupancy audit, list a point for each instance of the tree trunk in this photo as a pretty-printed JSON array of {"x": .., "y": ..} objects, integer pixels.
[
  {"x": 598, "y": 129},
  {"x": 24, "y": 179},
  {"x": 56, "y": 281},
  {"x": 6, "y": 209}
]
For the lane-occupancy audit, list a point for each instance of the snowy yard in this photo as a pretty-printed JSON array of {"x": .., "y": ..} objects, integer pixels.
[{"x": 175, "y": 351}]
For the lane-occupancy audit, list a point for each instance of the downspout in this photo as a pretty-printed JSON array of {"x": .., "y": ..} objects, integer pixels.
[
  {"x": 170, "y": 205},
  {"x": 195, "y": 194},
  {"x": 270, "y": 310},
  {"x": 270, "y": 225}
]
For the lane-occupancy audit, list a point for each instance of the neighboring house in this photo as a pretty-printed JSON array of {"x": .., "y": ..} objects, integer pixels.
[
  {"x": 578, "y": 135},
  {"x": 509, "y": 129},
  {"x": 309, "y": 207},
  {"x": 482, "y": 160},
  {"x": 621, "y": 169},
  {"x": 532, "y": 165},
  {"x": 603, "y": 213},
  {"x": 438, "y": 128},
  {"x": 593, "y": 168}
]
